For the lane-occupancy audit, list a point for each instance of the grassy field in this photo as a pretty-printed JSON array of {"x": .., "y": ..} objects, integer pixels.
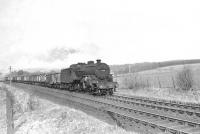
[
  {"x": 158, "y": 78},
  {"x": 161, "y": 83},
  {"x": 2, "y": 112}
]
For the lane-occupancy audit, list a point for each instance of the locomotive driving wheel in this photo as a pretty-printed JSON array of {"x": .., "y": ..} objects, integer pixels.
[{"x": 111, "y": 92}]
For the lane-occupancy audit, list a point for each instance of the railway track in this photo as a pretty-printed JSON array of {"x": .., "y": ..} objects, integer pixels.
[
  {"x": 134, "y": 111},
  {"x": 190, "y": 113},
  {"x": 186, "y": 105}
]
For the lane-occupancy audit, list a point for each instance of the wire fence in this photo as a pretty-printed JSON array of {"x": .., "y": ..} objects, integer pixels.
[{"x": 9, "y": 110}]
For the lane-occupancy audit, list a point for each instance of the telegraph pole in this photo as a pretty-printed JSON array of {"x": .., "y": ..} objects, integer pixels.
[
  {"x": 10, "y": 74},
  {"x": 9, "y": 109}
]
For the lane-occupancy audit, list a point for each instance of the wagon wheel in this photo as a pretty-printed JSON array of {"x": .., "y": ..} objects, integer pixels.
[{"x": 70, "y": 88}]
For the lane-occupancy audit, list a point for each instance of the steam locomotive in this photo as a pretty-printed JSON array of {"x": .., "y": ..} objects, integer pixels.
[{"x": 90, "y": 77}]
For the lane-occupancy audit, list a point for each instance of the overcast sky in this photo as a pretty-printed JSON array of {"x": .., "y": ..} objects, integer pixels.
[{"x": 56, "y": 33}]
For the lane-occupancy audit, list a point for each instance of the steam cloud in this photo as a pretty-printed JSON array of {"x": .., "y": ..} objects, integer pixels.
[{"x": 59, "y": 54}]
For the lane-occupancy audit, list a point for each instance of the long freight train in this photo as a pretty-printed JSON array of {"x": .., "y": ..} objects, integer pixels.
[{"x": 94, "y": 78}]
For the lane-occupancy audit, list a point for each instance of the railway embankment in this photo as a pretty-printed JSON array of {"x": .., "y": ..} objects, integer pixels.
[
  {"x": 136, "y": 113},
  {"x": 37, "y": 113}
]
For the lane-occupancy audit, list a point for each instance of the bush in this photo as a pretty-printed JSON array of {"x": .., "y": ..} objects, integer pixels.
[
  {"x": 134, "y": 82},
  {"x": 23, "y": 101},
  {"x": 184, "y": 79}
]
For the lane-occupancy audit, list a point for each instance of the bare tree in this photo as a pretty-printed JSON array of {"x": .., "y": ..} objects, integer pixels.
[{"x": 184, "y": 79}]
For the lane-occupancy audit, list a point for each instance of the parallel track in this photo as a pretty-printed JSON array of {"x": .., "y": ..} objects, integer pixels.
[
  {"x": 189, "y": 113},
  {"x": 186, "y": 105}
]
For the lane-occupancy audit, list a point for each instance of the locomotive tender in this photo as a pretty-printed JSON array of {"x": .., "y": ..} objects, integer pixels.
[{"x": 94, "y": 78}]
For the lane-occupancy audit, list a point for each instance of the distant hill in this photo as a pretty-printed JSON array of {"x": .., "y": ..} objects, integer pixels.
[{"x": 138, "y": 67}]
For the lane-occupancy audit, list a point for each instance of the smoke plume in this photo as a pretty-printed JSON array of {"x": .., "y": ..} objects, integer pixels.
[{"x": 59, "y": 54}]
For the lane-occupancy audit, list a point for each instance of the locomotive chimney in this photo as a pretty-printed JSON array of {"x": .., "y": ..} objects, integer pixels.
[{"x": 98, "y": 61}]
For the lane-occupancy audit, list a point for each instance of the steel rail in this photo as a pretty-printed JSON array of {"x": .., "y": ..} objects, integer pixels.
[
  {"x": 185, "y": 113},
  {"x": 192, "y": 106}
]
